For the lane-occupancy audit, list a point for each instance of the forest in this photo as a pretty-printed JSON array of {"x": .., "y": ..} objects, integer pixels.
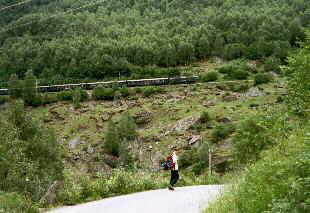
[{"x": 98, "y": 39}]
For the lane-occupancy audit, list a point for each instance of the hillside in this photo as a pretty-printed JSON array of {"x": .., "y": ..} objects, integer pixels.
[{"x": 102, "y": 39}]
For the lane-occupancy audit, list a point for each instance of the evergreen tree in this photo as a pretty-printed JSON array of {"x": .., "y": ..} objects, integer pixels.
[
  {"x": 127, "y": 127},
  {"x": 29, "y": 92},
  {"x": 112, "y": 139},
  {"x": 15, "y": 87}
]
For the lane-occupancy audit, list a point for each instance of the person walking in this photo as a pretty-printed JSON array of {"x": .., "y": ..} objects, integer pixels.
[{"x": 174, "y": 169}]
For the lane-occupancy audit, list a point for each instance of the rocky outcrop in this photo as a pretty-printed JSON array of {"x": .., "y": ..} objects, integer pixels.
[
  {"x": 143, "y": 117},
  {"x": 254, "y": 92}
]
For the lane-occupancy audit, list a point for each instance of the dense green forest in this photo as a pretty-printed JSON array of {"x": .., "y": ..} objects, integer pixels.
[{"x": 98, "y": 39}]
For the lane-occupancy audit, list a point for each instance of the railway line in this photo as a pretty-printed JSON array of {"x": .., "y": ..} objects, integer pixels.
[{"x": 121, "y": 83}]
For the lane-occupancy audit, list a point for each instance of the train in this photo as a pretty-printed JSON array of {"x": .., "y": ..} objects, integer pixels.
[{"x": 120, "y": 83}]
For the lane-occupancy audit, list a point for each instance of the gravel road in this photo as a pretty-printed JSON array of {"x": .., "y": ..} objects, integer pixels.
[{"x": 190, "y": 199}]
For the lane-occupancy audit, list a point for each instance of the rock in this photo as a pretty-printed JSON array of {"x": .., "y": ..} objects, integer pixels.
[
  {"x": 194, "y": 139},
  {"x": 90, "y": 150},
  {"x": 50, "y": 196},
  {"x": 74, "y": 142},
  {"x": 105, "y": 117},
  {"x": 56, "y": 115},
  {"x": 254, "y": 92},
  {"x": 230, "y": 98},
  {"x": 143, "y": 117},
  {"x": 185, "y": 124},
  {"x": 208, "y": 103},
  {"x": 224, "y": 120}
]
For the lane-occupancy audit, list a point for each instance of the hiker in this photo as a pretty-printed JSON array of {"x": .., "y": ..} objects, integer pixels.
[{"x": 174, "y": 169}]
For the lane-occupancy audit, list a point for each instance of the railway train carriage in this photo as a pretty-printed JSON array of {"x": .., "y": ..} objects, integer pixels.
[{"x": 122, "y": 83}]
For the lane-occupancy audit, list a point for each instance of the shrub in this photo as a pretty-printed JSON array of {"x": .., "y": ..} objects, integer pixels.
[
  {"x": 237, "y": 74},
  {"x": 124, "y": 91},
  {"x": 3, "y": 99},
  {"x": 198, "y": 167},
  {"x": 31, "y": 158},
  {"x": 262, "y": 78},
  {"x": 66, "y": 95},
  {"x": 101, "y": 93},
  {"x": 205, "y": 117},
  {"x": 127, "y": 127},
  {"x": 148, "y": 91},
  {"x": 76, "y": 98},
  {"x": 239, "y": 87},
  {"x": 29, "y": 91},
  {"x": 15, "y": 87},
  {"x": 272, "y": 64},
  {"x": 280, "y": 180},
  {"x": 188, "y": 158},
  {"x": 49, "y": 98},
  {"x": 210, "y": 76},
  {"x": 112, "y": 139},
  {"x": 139, "y": 90},
  {"x": 222, "y": 131},
  {"x": 36, "y": 101},
  {"x": 84, "y": 95},
  {"x": 15, "y": 203}
]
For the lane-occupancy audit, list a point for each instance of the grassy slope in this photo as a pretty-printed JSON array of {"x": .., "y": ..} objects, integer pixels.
[{"x": 178, "y": 102}]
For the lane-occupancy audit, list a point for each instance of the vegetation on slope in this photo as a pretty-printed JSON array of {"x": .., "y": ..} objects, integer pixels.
[
  {"x": 129, "y": 37},
  {"x": 280, "y": 180}
]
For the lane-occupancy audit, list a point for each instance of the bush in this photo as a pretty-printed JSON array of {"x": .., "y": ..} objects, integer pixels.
[
  {"x": 221, "y": 132},
  {"x": 280, "y": 180},
  {"x": 139, "y": 90},
  {"x": 237, "y": 74},
  {"x": 49, "y": 98},
  {"x": 31, "y": 157},
  {"x": 101, "y": 93},
  {"x": 3, "y": 99},
  {"x": 84, "y": 95},
  {"x": 148, "y": 91},
  {"x": 262, "y": 78},
  {"x": 66, "y": 95},
  {"x": 205, "y": 117},
  {"x": 124, "y": 91},
  {"x": 188, "y": 158},
  {"x": 76, "y": 98},
  {"x": 198, "y": 167},
  {"x": 29, "y": 89},
  {"x": 15, "y": 203},
  {"x": 210, "y": 76},
  {"x": 272, "y": 64},
  {"x": 112, "y": 139}
]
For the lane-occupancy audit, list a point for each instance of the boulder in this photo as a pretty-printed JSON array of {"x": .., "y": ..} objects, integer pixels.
[
  {"x": 194, "y": 139},
  {"x": 230, "y": 98},
  {"x": 185, "y": 124},
  {"x": 143, "y": 117},
  {"x": 74, "y": 142},
  {"x": 254, "y": 92}
]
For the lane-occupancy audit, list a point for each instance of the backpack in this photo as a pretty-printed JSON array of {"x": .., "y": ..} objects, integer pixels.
[{"x": 168, "y": 164}]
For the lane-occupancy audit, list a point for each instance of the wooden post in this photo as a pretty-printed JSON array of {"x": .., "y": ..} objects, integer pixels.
[{"x": 210, "y": 162}]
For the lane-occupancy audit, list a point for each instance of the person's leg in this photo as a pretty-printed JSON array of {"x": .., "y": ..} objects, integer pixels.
[
  {"x": 171, "y": 181},
  {"x": 174, "y": 177}
]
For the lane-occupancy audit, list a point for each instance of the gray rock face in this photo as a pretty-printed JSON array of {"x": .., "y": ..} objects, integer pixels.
[
  {"x": 74, "y": 142},
  {"x": 194, "y": 139},
  {"x": 254, "y": 92}
]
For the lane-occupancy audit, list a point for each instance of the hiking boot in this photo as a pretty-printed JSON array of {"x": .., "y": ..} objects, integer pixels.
[{"x": 170, "y": 188}]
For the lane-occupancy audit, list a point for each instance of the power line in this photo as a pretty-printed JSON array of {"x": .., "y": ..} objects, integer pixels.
[
  {"x": 15, "y": 5},
  {"x": 58, "y": 14}
]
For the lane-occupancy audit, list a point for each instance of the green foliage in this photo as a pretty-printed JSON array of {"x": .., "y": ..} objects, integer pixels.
[
  {"x": 210, "y": 76},
  {"x": 148, "y": 91},
  {"x": 15, "y": 87},
  {"x": 31, "y": 158},
  {"x": 299, "y": 81},
  {"x": 221, "y": 132},
  {"x": 205, "y": 117},
  {"x": 280, "y": 180},
  {"x": 76, "y": 98},
  {"x": 272, "y": 64},
  {"x": 188, "y": 158},
  {"x": 138, "y": 39},
  {"x": 262, "y": 78},
  {"x": 237, "y": 74},
  {"x": 127, "y": 127},
  {"x": 3, "y": 99},
  {"x": 124, "y": 91},
  {"x": 66, "y": 95},
  {"x": 29, "y": 91},
  {"x": 80, "y": 189},
  {"x": 112, "y": 139},
  {"x": 101, "y": 93},
  {"x": 250, "y": 139},
  {"x": 49, "y": 98},
  {"x": 15, "y": 203}
]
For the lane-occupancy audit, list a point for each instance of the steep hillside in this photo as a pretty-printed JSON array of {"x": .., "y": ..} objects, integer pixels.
[{"x": 100, "y": 39}]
